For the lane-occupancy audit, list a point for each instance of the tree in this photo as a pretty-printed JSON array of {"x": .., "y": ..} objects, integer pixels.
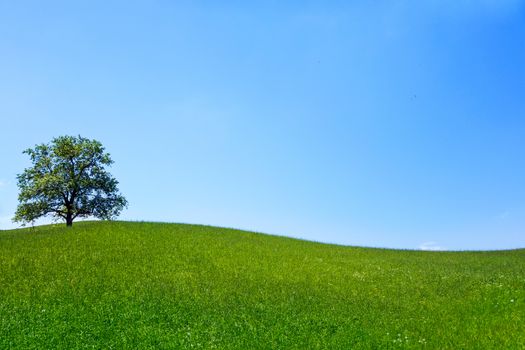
[{"x": 67, "y": 181}]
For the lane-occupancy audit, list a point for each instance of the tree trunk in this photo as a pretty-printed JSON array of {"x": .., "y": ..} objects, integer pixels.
[{"x": 69, "y": 219}]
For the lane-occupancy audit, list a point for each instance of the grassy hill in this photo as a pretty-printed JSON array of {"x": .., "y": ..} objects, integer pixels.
[{"x": 149, "y": 285}]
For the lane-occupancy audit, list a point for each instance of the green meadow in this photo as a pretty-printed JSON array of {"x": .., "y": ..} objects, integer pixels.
[{"x": 131, "y": 285}]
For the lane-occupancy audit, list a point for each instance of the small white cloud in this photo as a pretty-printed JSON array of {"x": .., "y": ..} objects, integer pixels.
[
  {"x": 433, "y": 246},
  {"x": 6, "y": 222},
  {"x": 5, "y": 184}
]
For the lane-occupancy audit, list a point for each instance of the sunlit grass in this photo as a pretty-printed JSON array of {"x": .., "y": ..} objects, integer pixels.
[{"x": 151, "y": 285}]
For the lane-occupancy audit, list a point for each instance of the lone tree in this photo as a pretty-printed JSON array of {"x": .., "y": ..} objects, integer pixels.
[{"x": 68, "y": 180}]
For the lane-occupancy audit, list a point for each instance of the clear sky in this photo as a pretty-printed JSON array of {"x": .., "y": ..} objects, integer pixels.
[{"x": 377, "y": 123}]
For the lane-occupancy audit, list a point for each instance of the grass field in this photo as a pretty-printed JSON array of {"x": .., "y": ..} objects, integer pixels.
[{"x": 150, "y": 285}]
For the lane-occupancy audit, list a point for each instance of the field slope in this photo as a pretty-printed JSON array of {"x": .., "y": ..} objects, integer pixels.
[{"x": 149, "y": 285}]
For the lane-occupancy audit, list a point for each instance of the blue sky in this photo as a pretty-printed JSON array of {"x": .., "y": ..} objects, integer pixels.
[{"x": 378, "y": 123}]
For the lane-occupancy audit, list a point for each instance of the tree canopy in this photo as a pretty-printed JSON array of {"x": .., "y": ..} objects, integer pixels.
[{"x": 68, "y": 180}]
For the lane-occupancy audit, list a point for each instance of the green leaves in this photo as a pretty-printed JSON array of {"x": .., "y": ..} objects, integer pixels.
[{"x": 68, "y": 179}]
